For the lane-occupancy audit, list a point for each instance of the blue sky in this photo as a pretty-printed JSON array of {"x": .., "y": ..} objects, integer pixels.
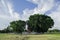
[
  {"x": 12, "y": 10},
  {"x": 20, "y": 5}
]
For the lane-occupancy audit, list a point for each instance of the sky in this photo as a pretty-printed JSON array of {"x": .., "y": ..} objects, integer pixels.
[{"x": 12, "y": 10}]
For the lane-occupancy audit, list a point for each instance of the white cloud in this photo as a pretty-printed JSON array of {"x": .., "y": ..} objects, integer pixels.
[
  {"x": 7, "y": 13},
  {"x": 56, "y": 17},
  {"x": 43, "y": 5},
  {"x": 26, "y": 14}
]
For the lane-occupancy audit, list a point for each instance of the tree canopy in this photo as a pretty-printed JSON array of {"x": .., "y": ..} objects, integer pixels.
[
  {"x": 18, "y": 26},
  {"x": 40, "y": 23}
]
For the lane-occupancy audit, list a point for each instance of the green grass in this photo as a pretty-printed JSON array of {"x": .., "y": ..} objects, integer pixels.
[{"x": 29, "y": 37}]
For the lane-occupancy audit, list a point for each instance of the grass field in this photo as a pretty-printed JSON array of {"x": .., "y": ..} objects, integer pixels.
[{"x": 29, "y": 37}]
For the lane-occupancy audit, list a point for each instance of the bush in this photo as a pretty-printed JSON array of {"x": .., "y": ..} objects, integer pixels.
[{"x": 53, "y": 31}]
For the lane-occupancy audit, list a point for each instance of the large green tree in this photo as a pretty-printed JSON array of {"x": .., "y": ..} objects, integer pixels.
[
  {"x": 40, "y": 23},
  {"x": 18, "y": 26}
]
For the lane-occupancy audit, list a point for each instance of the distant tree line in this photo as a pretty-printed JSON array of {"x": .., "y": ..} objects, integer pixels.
[
  {"x": 54, "y": 31},
  {"x": 37, "y": 23},
  {"x": 7, "y": 30}
]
